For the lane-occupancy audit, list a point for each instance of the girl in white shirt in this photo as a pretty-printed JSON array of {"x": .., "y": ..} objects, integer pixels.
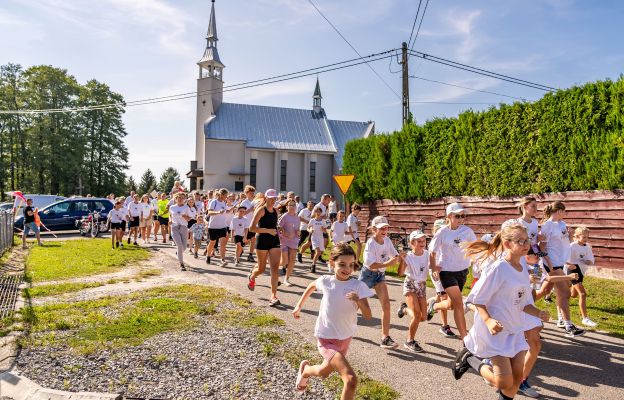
[
  {"x": 502, "y": 296},
  {"x": 415, "y": 266},
  {"x": 380, "y": 254},
  {"x": 190, "y": 202},
  {"x": 179, "y": 216},
  {"x": 146, "y": 220},
  {"x": 116, "y": 216},
  {"x": 339, "y": 229},
  {"x": 354, "y": 226},
  {"x": 317, "y": 228},
  {"x": 581, "y": 256},
  {"x": 337, "y": 320},
  {"x": 556, "y": 242}
]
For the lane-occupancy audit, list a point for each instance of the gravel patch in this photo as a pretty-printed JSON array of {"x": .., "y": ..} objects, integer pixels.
[{"x": 208, "y": 361}]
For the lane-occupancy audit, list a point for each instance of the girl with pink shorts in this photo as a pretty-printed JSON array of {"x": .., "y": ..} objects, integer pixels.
[{"x": 337, "y": 320}]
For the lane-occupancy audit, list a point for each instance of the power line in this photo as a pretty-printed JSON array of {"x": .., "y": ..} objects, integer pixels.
[
  {"x": 239, "y": 86},
  {"x": 447, "y": 102},
  {"x": 466, "y": 87},
  {"x": 415, "y": 19},
  {"x": 419, "y": 25},
  {"x": 481, "y": 71},
  {"x": 354, "y": 49}
]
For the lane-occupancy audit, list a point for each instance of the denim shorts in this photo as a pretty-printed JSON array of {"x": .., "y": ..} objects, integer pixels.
[
  {"x": 371, "y": 278},
  {"x": 30, "y": 226}
]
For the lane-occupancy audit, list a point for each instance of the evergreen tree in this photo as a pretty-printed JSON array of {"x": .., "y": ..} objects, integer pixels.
[
  {"x": 167, "y": 179},
  {"x": 148, "y": 182},
  {"x": 130, "y": 185}
]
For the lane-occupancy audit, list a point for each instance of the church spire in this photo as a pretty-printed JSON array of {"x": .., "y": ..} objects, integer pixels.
[
  {"x": 210, "y": 64},
  {"x": 316, "y": 98}
]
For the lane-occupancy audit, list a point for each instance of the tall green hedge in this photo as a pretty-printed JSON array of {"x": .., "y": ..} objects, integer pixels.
[{"x": 569, "y": 140}]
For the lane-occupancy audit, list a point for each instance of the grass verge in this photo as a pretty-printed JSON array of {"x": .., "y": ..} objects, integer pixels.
[{"x": 78, "y": 258}]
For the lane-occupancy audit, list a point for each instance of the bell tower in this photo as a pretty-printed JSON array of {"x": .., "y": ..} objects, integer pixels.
[{"x": 209, "y": 85}]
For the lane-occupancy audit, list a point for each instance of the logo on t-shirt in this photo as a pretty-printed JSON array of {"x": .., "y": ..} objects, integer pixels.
[
  {"x": 581, "y": 255},
  {"x": 520, "y": 295},
  {"x": 457, "y": 241}
]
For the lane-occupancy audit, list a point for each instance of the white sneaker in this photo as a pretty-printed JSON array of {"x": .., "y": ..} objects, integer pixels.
[
  {"x": 588, "y": 322},
  {"x": 223, "y": 263},
  {"x": 287, "y": 283},
  {"x": 560, "y": 323}
]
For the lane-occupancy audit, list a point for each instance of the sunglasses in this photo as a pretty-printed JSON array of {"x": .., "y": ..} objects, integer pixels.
[
  {"x": 459, "y": 216},
  {"x": 522, "y": 242}
]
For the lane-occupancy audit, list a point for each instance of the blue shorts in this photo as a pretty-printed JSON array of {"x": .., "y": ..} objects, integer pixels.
[
  {"x": 371, "y": 278},
  {"x": 31, "y": 226}
]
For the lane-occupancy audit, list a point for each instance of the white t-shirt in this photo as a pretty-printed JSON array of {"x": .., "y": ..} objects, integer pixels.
[
  {"x": 317, "y": 226},
  {"x": 580, "y": 254},
  {"x": 146, "y": 208},
  {"x": 192, "y": 212},
  {"x": 558, "y": 242},
  {"x": 305, "y": 214},
  {"x": 323, "y": 209},
  {"x": 378, "y": 253},
  {"x": 249, "y": 205},
  {"x": 337, "y": 317},
  {"x": 199, "y": 205},
  {"x": 238, "y": 226},
  {"x": 531, "y": 227},
  {"x": 338, "y": 232},
  {"x": 447, "y": 244},
  {"x": 217, "y": 221},
  {"x": 353, "y": 223},
  {"x": 127, "y": 201},
  {"x": 176, "y": 212},
  {"x": 118, "y": 216},
  {"x": 417, "y": 267},
  {"x": 332, "y": 209},
  {"x": 135, "y": 209},
  {"x": 300, "y": 206}
]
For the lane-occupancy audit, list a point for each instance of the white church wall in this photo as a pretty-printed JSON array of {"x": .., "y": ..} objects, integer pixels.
[{"x": 222, "y": 158}]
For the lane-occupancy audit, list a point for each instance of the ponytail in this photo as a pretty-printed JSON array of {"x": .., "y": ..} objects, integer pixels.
[
  {"x": 480, "y": 250},
  {"x": 551, "y": 209}
]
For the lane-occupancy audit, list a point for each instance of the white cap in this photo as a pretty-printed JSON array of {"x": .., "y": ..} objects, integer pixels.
[
  {"x": 454, "y": 208},
  {"x": 379, "y": 222},
  {"x": 270, "y": 194},
  {"x": 417, "y": 234}
]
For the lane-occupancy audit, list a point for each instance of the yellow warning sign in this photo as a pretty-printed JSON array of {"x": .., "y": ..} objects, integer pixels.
[{"x": 344, "y": 182}]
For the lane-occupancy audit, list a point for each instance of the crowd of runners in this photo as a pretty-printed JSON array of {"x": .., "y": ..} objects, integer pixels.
[{"x": 511, "y": 269}]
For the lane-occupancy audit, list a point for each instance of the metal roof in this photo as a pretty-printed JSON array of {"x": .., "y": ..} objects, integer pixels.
[
  {"x": 212, "y": 25},
  {"x": 282, "y": 128},
  {"x": 211, "y": 54}
]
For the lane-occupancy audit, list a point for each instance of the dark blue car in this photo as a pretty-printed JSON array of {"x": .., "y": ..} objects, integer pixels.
[{"x": 62, "y": 216}]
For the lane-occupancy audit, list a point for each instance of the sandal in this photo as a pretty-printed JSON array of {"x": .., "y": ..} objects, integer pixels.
[{"x": 301, "y": 383}]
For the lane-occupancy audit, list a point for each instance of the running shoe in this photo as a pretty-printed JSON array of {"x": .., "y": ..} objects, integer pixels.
[
  {"x": 237, "y": 261},
  {"x": 251, "y": 285},
  {"x": 121, "y": 245},
  {"x": 320, "y": 260},
  {"x": 223, "y": 263},
  {"x": 313, "y": 268},
  {"x": 588, "y": 322},
  {"x": 560, "y": 323},
  {"x": 282, "y": 271},
  {"x": 401, "y": 313},
  {"x": 250, "y": 258},
  {"x": 446, "y": 331},
  {"x": 300, "y": 258},
  {"x": 413, "y": 346},
  {"x": 287, "y": 283},
  {"x": 274, "y": 302},
  {"x": 430, "y": 310},
  {"x": 116, "y": 244},
  {"x": 547, "y": 299},
  {"x": 128, "y": 240},
  {"x": 135, "y": 243},
  {"x": 208, "y": 260},
  {"x": 195, "y": 255},
  {"x": 182, "y": 267},
  {"x": 527, "y": 390},
  {"x": 388, "y": 343},
  {"x": 466, "y": 308},
  {"x": 460, "y": 365},
  {"x": 572, "y": 331}
]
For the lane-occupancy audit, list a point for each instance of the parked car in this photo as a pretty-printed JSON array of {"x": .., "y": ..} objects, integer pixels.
[
  {"x": 39, "y": 201},
  {"x": 62, "y": 216},
  {"x": 6, "y": 206}
]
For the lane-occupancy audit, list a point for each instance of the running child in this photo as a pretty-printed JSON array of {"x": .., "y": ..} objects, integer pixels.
[
  {"x": 441, "y": 295},
  {"x": 581, "y": 256},
  {"x": 354, "y": 228},
  {"x": 502, "y": 297},
  {"x": 217, "y": 225},
  {"x": 317, "y": 229},
  {"x": 288, "y": 227},
  {"x": 239, "y": 227},
  {"x": 339, "y": 229},
  {"x": 116, "y": 217},
  {"x": 415, "y": 266},
  {"x": 305, "y": 216},
  {"x": 337, "y": 320},
  {"x": 380, "y": 254},
  {"x": 134, "y": 215},
  {"x": 180, "y": 216},
  {"x": 146, "y": 220},
  {"x": 197, "y": 231}
]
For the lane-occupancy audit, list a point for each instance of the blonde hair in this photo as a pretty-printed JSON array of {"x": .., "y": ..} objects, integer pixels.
[
  {"x": 523, "y": 202},
  {"x": 581, "y": 230},
  {"x": 552, "y": 208},
  {"x": 480, "y": 250}
]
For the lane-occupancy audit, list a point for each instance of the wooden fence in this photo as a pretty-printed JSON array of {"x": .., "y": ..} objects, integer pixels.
[{"x": 601, "y": 211}]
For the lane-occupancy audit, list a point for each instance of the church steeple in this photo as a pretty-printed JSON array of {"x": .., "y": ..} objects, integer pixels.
[
  {"x": 316, "y": 98},
  {"x": 210, "y": 64}
]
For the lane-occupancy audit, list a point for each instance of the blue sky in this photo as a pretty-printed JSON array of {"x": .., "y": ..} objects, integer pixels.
[{"x": 148, "y": 48}]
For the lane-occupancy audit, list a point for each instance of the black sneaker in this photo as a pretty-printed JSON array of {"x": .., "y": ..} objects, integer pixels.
[
  {"x": 430, "y": 310},
  {"x": 250, "y": 258},
  {"x": 313, "y": 268},
  {"x": 135, "y": 243},
  {"x": 446, "y": 331},
  {"x": 413, "y": 346},
  {"x": 572, "y": 331},
  {"x": 208, "y": 260},
  {"x": 282, "y": 271},
  {"x": 182, "y": 267},
  {"x": 299, "y": 258},
  {"x": 128, "y": 240},
  {"x": 195, "y": 255},
  {"x": 116, "y": 244},
  {"x": 320, "y": 260},
  {"x": 547, "y": 299},
  {"x": 401, "y": 312},
  {"x": 388, "y": 343},
  {"x": 460, "y": 365}
]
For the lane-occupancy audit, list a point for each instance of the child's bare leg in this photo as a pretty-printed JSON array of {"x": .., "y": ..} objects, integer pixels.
[
  {"x": 340, "y": 364},
  {"x": 582, "y": 298},
  {"x": 413, "y": 310}
]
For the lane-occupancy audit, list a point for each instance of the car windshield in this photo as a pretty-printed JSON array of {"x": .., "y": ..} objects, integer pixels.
[{"x": 59, "y": 208}]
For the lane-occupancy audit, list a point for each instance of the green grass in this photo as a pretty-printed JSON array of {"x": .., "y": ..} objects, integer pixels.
[
  {"x": 61, "y": 288},
  {"x": 78, "y": 258}
]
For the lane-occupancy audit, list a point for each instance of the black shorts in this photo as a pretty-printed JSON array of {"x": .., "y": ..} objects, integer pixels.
[
  {"x": 115, "y": 225},
  {"x": 453, "y": 278},
  {"x": 264, "y": 241},
  {"x": 333, "y": 216},
  {"x": 239, "y": 239},
  {"x": 250, "y": 235},
  {"x": 216, "y": 234},
  {"x": 191, "y": 222},
  {"x": 558, "y": 267},
  {"x": 134, "y": 222},
  {"x": 228, "y": 230},
  {"x": 303, "y": 236},
  {"x": 155, "y": 217},
  {"x": 325, "y": 236},
  {"x": 580, "y": 275},
  {"x": 123, "y": 225},
  {"x": 163, "y": 220}
]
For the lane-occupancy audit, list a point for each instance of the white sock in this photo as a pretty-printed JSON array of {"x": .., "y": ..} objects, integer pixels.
[{"x": 567, "y": 323}]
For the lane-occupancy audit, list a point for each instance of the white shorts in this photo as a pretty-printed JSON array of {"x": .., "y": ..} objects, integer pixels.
[{"x": 318, "y": 242}]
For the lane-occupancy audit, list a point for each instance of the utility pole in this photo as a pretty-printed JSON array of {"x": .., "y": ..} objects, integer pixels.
[{"x": 406, "y": 110}]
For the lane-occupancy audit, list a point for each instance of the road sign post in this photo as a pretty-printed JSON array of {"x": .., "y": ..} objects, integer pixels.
[{"x": 344, "y": 183}]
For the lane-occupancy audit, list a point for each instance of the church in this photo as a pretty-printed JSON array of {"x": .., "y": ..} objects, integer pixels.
[{"x": 267, "y": 147}]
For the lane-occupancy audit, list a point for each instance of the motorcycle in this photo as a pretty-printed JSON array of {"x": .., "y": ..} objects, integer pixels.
[{"x": 89, "y": 225}]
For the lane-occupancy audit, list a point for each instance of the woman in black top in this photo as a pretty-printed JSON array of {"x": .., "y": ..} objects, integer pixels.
[{"x": 264, "y": 225}]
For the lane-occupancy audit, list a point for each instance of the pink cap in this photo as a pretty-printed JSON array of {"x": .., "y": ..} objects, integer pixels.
[{"x": 271, "y": 194}]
